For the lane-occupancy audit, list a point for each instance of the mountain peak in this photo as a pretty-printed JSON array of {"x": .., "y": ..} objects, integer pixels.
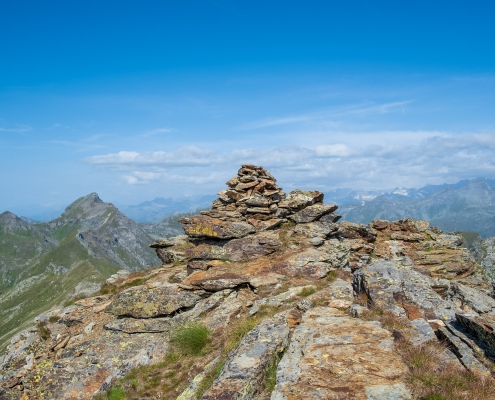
[{"x": 10, "y": 222}]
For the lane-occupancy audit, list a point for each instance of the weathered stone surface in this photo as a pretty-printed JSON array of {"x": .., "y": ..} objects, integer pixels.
[
  {"x": 249, "y": 247},
  {"x": 331, "y": 218},
  {"x": 325, "y": 360},
  {"x": 462, "y": 351},
  {"x": 476, "y": 300},
  {"x": 253, "y": 246},
  {"x": 312, "y": 263},
  {"x": 299, "y": 199},
  {"x": 432, "y": 252},
  {"x": 269, "y": 224},
  {"x": 169, "y": 242},
  {"x": 312, "y": 213},
  {"x": 168, "y": 256},
  {"x": 204, "y": 226},
  {"x": 421, "y": 332},
  {"x": 483, "y": 328},
  {"x": 166, "y": 324},
  {"x": 350, "y": 230},
  {"x": 192, "y": 391},
  {"x": 242, "y": 373},
  {"x": 279, "y": 300},
  {"x": 383, "y": 282},
  {"x": 215, "y": 283},
  {"x": 143, "y": 302}
]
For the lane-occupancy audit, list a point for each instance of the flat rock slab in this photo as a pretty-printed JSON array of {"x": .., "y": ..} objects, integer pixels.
[
  {"x": 312, "y": 213},
  {"x": 205, "y": 226},
  {"x": 334, "y": 356},
  {"x": 242, "y": 373},
  {"x": 249, "y": 247},
  {"x": 311, "y": 262},
  {"x": 144, "y": 302},
  {"x": 299, "y": 199}
]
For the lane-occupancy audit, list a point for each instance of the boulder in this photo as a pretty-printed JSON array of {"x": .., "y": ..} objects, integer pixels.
[
  {"x": 299, "y": 199},
  {"x": 312, "y": 213},
  {"x": 143, "y": 302}
]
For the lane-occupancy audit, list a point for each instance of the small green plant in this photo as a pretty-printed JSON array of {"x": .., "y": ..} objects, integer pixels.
[
  {"x": 270, "y": 379},
  {"x": 43, "y": 331},
  {"x": 435, "y": 396},
  {"x": 307, "y": 291},
  {"x": 241, "y": 330},
  {"x": 116, "y": 393},
  {"x": 331, "y": 276},
  {"x": 53, "y": 319},
  {"x": 191, "y": 338},
  {"x": 319, "y": 302},
  {"x": 108, "y": 288},
  {"x": 210, "y": 376}
]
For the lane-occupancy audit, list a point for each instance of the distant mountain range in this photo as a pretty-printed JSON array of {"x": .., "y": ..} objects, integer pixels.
[
  {"x": 159, "y": 208},
  {"x": 44, "y": 265},
  {"x": 466, "y": 206}
]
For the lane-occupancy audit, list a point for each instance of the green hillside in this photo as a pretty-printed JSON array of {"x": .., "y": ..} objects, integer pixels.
[{"x": 46, "y": 265}]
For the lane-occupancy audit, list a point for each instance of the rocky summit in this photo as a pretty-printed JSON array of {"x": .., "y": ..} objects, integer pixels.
[{"x": 269, "y": 296}]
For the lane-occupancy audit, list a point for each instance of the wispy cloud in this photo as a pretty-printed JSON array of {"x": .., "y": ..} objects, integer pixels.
[
  {"x": 158, "y": 131},
  {"x": 18, "y": 129},
  {"x": 434, "y": 159},
  {"x": 327, "y": 115}
]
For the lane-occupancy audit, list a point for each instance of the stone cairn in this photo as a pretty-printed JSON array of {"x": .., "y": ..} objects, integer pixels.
[
  {"x": 252, "y": 203},
  {"x": 254, "y": 196}
]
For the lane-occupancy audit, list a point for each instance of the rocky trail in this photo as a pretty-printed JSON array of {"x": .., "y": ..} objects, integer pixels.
[{"x": 295, "y": 305}]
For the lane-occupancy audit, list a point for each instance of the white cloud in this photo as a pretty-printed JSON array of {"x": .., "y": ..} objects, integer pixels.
[{"x": 433, "y": 159}]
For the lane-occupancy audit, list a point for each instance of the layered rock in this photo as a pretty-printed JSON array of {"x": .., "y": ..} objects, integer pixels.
[{"x": 285, "y": 265}]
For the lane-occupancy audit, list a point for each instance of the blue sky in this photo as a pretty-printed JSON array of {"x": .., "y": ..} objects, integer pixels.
[{"x": 136, "y": 100}]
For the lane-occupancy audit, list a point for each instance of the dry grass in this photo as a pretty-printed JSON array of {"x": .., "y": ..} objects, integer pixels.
[
  {"x": 431, "y": 376},
  {"x": 431, "y": 379},
  {"x": 387, "y": 319}
]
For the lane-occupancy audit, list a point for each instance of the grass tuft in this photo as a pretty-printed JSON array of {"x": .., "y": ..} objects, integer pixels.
[
  {"x": 116, "y": 393},
  {"x": 270, "y": 378},
  {"x": 307, "y": 291},
  {"x": 191, "y": 338},
  {"x": 209, "y": 378},
  {"x": 43, "y": 331}
]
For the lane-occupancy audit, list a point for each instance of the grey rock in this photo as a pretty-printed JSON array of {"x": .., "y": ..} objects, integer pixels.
[
  {"x": 242, "y": 373},
  {"x": 462, "y": 351},
  {"x": 312, "y": 213},
  {"x": 325, "y": 355}
]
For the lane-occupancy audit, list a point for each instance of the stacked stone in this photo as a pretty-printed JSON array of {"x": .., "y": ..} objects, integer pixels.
[
  {"x": 253, "y": 196},
  {"x": 243, "y": 219}
]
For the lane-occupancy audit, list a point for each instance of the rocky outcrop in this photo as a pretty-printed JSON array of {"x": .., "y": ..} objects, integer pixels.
[
  {"x": 277, "y": 275},
  {"x": 325, "y": 360}
]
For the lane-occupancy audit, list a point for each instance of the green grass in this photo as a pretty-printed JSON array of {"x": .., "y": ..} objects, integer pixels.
[
  {"x": 116, "y": 393},
  {"x": 209, "y": 378},
  {"x": 307, "y": 291},
  {"x": 191, "y": 338},
  {"x": 270, "y": 377}
]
